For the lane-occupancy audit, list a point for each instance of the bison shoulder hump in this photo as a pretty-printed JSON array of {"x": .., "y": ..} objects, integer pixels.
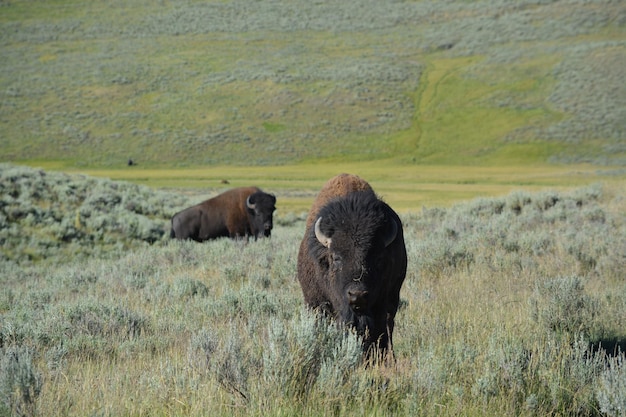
[{"x": 338, "y": 186}]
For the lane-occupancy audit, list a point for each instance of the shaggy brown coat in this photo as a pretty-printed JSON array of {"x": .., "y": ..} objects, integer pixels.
[
  {"x": 226, "y": 215},
  {"x": 339, "y": 186},
  {"x": 352, "y": 259}
]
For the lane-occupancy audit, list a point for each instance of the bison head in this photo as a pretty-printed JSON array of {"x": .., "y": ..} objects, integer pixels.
[
  {"x": 353, "y": 243},
  {"x": 260, "y": 207}
]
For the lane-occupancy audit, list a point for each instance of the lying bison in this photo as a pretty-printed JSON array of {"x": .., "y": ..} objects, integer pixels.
[
  {"x": 352, "y": 260},
  {"x": 235, "y": 213}
]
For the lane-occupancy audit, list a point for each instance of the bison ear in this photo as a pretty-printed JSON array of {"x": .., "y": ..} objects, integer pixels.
[
  {"x": 323, "y": 239},
  {"x": 391, "y": 231}
]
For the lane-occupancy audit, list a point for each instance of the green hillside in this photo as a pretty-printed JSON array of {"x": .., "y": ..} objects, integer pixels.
[
  {"x": 186, "y": 83},
  {"x": 496, "y": 129}
]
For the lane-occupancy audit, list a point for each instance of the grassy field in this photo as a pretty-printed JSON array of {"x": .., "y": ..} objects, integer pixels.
[
  {"x": 508, "y": 308},
  {"x": 407, "y": 188},
  {"x": 497, "y": 130},
  {"x": 454, "y": 101}
]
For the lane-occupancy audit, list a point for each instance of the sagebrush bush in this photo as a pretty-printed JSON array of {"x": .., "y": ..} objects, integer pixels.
[
  {"x": 311, "y": 349},
  {"x": 188, "y": 287},
  {"x": 611, "y": 390},
  {"x": 504, "y": 371},
  {"x": 101, "y": 320},
  {"x": 559, "y": 376},
  {"x": 20, "y": 382},
  {"x": 77, "y": 213},
  {"x": 228, "y": 361},
  {"x": 561, "y": 305}
]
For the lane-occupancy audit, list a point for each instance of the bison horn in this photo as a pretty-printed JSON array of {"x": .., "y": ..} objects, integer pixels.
[
  {"x": 250, "y": 205},
  {"x": 390, "y": 235},
  {"x": 324, "y": 240}
]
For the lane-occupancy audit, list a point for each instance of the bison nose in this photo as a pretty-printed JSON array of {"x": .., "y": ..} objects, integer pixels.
[{"x": 357, "y": 300}]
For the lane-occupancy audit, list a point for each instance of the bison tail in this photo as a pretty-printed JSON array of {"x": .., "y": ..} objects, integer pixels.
[{"x": 172, "y": 234}]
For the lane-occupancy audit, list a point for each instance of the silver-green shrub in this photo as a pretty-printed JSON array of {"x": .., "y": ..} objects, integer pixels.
[
  {"x": 306, "y": 352},
  {"x": 48, "y": 214},
  {"x": 611, "y": 389},
  {"x": 572, "y": 375},
  {"x": 561, "y": 305},
  {"x": 228, "y": 361},
  {"x": 504, "y": 370},
  {"x": 20, "y": 382},
  {"x": 189, "y": 287}
]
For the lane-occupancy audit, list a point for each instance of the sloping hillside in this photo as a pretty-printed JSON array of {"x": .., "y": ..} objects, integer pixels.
[{"x": 186, "y": 83}]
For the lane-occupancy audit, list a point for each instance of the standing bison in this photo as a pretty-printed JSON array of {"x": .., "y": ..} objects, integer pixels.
[
  {"x": 352, "y": 260},
  {"x": 235, "y": 213}
]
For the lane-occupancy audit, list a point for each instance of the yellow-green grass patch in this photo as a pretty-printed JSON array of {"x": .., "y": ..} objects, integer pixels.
[
  {"x": 407, "y": 188},
  {"x": 464, "y": 110}
]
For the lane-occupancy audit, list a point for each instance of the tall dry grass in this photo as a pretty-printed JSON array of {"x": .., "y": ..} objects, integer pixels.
[{"x": 508, "y": 308}]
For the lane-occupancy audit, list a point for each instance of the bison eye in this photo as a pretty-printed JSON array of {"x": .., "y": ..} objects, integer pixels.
[{"x": 336, "y": 260}]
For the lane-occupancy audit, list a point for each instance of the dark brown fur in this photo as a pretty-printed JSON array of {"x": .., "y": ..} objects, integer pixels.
[
  {"x": 226, "y": 215},
  {"x": 357, "y": 279}
]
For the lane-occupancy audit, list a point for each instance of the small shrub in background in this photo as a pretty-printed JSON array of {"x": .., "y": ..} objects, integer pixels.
[
  {"x": 101, "y": 320},
  {"x": 290, "y": 219},
  {"x": 611, "y": 389},
  {"x": 560, "y": 305},
  {"x": 440, "y": 256},
  {"x": 504, "y": 371},
  {"x": 306, "y": 353},
  {"x": 20, "y": 382},
  {"x": 249, "y": 302},
  {"x": 560, "y": 377},
  {"x": 518, "y": 201},
  {"x": 228, "y": 361},
  {"x": 188, "y": 287}
]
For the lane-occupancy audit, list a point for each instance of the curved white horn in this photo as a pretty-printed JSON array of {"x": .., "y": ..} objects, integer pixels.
[
  {"x": 250, "y": 205},
  {"x": 391, "y": 233},
  {"x": 324, "y": 240}
]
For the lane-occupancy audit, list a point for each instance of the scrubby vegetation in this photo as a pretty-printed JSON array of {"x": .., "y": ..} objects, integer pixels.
[
  {"x": 188, "y": 83},
  {"x": 45, "y": 215},
  {"x": 513, "y": 306}
]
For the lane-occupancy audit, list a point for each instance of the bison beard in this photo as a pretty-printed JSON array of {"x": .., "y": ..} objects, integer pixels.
[{"x": 352, "y": 264}]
